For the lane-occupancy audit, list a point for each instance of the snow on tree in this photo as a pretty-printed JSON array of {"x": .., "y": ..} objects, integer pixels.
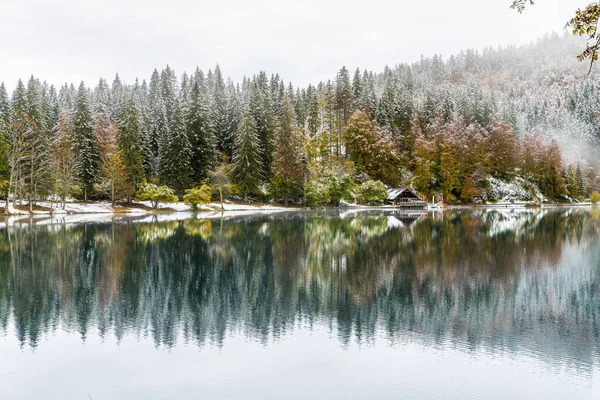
[
  {"x": 128, "y": 138},
  {"x": 288, "y": 161},
  {"x": 200, "y": 134},
  {"x": 86, "y": 144},
  {"x": 176, "y": 158},
  {"x": 247, "y": 171},
  {"x": 64, "y": 156}
]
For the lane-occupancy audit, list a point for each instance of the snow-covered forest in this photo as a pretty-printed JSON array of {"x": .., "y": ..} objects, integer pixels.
[{"x": 458, "y": 127}]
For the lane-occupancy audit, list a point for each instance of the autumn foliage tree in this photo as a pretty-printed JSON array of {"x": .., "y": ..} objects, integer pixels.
[
  {"x": 112, "y": 166},
  {"x": 370, "y": 148}
]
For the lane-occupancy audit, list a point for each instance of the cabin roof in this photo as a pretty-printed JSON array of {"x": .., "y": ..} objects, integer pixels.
[{"x": 393, "y": 193}]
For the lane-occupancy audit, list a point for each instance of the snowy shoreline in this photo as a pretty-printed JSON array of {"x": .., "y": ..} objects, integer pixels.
[
  {"x": 137, "y": 208},
  {"x": 143, "y": 208}
]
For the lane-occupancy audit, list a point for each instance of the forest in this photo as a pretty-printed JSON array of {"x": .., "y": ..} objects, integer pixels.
[{"x": 458, "y": 128}]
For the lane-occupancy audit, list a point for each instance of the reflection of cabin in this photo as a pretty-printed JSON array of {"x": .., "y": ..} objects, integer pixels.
[{"x": 404, "y": 197}]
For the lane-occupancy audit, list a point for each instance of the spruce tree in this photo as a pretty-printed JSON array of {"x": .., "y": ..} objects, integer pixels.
[
  {"x": 88, "y": 150},
  {"x": 128, "y": 138},
  {"x": 288, "y": 167},
  {"x": 220, "y": 121},
  {"x": 4, "y": 134},
  {"x": 175, "y": 160},
  {"x": 200, "y": 134},
  {"x": 247, "y": 171},
  {"x": 263, "y": 119},
  {"x": 35, "y": 165}
]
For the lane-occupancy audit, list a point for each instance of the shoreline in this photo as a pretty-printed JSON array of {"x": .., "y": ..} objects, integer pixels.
[{"x": 143, "y": 208}]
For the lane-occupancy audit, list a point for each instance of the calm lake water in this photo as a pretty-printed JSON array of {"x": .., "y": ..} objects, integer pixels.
[{"x": 468, "y": 304}]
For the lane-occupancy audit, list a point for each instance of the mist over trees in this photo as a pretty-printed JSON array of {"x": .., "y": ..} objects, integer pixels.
[{"x": 441, "y": 127}]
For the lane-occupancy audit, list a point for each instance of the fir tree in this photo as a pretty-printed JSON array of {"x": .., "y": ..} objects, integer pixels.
[
  {"x": 219, "y": 114},
  {"x": 288, "y": 166},
  {"x": 128, "y": 139},
  {"x": 4, "y": 135},
  {"x": 175, "y": 160},
  {"x": 88, "y": 150},
  {"x": 247, "y": 171},
  {"x": 200, "y": 134}
]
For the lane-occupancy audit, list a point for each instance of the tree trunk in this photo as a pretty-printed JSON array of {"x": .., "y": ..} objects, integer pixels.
[
  {"x": 112, "y": 192},
  {"x": 221, "y": 197}
]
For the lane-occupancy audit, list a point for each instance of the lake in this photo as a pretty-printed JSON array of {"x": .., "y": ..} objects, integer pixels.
[{"x": 464, "y": 304}]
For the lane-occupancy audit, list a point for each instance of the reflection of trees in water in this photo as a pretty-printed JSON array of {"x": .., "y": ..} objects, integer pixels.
[{"x": 492, "y": 278}]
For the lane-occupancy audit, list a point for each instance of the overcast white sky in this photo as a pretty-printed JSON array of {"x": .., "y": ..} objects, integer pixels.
[{"x": 304, "y": 40}]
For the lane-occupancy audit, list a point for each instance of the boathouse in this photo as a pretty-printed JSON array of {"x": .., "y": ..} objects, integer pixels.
[{"x": 403, "y": 197}]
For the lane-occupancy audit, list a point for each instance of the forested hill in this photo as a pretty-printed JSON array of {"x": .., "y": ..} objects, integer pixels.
[{"x": 462, "y": 127}]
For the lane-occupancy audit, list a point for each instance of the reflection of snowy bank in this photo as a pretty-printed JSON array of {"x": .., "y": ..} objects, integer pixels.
[{"x": 141, "y": 216}]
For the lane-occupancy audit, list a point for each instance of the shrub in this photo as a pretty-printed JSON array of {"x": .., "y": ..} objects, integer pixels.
[
  {"x": 197, "y": 196},
  {"x": 372, "y": 192},
  {"x": 595, "y": 197},
  {"x": 317, "y": 194},
  {"x": 156, "y": 194}
]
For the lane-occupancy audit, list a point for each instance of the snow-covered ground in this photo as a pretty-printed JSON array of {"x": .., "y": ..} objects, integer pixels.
[{"x": 101, "y": 207}]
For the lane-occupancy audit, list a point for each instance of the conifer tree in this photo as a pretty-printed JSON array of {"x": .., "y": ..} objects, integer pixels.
[
  {"x": 4, "y": 135},
  {"x": 88, "y": 151},
  {"x": 158, "y": 131},
  {"x": 176, "y": 158},
  {"x": 581, "y": 192},
  {"x": 18, "y": 141},
  {"x": 35, "y": 167},
  {"x": 64, "y": 157},
  {"x": 288, "y": 166},
  {"x": 219, "y": 113},
  {"x": 247, "y": 171},
  {"x": 200, "y": 134},
  {"x": 128, "y": 139},
  {"x": 263, "y": 120}
]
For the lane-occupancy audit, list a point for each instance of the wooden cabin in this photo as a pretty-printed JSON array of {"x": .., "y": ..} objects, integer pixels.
[{"x": 402, "y": 196}]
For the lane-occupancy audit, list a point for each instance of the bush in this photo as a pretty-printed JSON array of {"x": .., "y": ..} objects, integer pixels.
[
  {"x": 372, "y": 193},
  {"x": 340, "y": 188},
  {"x": 595, "y": 197},
  {"x": 197, "y": 196},
  {"x": 156, "y": 194},
  {"x": 317, "y": 194}
]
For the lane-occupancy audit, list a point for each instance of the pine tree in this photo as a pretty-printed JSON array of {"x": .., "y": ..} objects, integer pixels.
[
  {"x": 35, "y": 166},
  {"x": 288, "y": 165},
  {"x": 102, "y": 98},
  {"x": 88, "y": 151},
  {"x": 18, "y": 141},
  {"x": 219, "y": 115},
  {"x": 64, "y": 157},
  {"x": 581, "y": 191},
  {"x": 200, "y": 134},
  {"x": 158, "y": 135},
  {"x": 263, "y": 119},
  {"x": 247, "y": 171},
  {"x": 4, "y": 136},
  {"x": 168, "y": 87},
  {"x": 357, "y": 90},
  {"x": 128, "y": 138},
  {"x": 175, "y": 161},
  {"x": 117, "y": 94}
]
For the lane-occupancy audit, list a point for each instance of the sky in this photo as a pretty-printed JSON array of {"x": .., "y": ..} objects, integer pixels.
[{"x": 305, "y": 41}]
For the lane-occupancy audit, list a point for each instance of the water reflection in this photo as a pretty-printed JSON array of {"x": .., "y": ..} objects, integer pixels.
[{"x": 504, "y": 280}]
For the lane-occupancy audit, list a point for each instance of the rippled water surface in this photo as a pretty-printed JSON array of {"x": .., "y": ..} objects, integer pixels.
[{"x": 468, "y": 304}]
